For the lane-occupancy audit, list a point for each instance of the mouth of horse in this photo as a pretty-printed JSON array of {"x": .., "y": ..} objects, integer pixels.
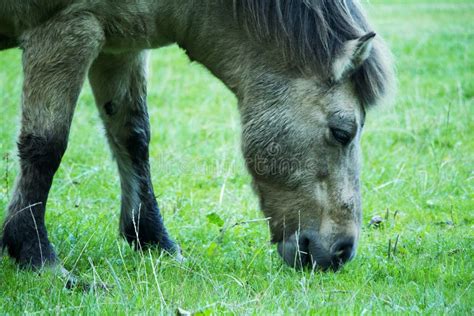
[{"x": 305, "y": 250}]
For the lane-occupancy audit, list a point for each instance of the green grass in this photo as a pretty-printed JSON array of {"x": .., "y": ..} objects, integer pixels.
[{"x": 418, "y": 170}]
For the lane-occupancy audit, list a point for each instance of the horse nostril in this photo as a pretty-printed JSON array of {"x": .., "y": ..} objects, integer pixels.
[
  {"x": 302, "y": 253},
  {"x": 342, "y": 251},
  {"x": 294, "y": 251}
]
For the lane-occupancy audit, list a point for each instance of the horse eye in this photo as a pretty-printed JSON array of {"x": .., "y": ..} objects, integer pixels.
[{"x": 341, "y": 136}]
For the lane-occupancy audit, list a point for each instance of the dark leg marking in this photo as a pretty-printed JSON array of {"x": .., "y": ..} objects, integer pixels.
[
  {"x": 24, "y": 231},
  {"x": 150, "y": 228}
]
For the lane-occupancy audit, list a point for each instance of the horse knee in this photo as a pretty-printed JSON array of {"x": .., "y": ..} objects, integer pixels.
[{"x": 42, "y": 153}]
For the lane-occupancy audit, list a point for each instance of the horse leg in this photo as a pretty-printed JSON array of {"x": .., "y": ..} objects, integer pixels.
[
  {"x": 56, "y": 58},
  {"x": 119, "y": 86}
]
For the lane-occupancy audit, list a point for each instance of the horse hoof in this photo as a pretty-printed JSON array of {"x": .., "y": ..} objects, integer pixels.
[
  {"x": 73, "y": 283},
  {"x": 178, "y": 256}
]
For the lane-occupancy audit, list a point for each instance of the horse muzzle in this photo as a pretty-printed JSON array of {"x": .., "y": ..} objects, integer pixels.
[{"x": 305, "y": 250}]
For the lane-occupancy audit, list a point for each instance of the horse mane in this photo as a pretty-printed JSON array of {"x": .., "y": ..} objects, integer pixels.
[{"x": 311, "y": 33}]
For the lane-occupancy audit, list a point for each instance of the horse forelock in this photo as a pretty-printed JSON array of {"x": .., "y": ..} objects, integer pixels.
[{"x": 311, "y": 33}]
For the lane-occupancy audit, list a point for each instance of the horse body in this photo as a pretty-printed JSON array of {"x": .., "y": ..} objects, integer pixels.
[
  {"x": 303, "y": 72},
  {"x": 134, "y": 22}
]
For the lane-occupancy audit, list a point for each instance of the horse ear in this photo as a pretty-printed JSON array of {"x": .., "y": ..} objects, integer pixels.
[{"x": 352, "y": 56}]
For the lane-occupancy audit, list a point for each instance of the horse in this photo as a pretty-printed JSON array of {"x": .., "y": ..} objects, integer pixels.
[{"x": 304, "y": 72}]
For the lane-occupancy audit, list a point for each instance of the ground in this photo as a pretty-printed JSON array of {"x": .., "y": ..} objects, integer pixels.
[{"x": 417, "y": 175}]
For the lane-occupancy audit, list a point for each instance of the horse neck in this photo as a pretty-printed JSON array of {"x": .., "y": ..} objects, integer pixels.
[{"x": 210, "y": 35}]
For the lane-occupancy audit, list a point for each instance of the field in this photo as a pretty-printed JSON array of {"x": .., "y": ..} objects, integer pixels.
[{"x": 418, "y": 174}]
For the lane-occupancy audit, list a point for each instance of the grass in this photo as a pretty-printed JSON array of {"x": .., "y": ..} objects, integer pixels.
[{"x": 418, "y": 175}]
